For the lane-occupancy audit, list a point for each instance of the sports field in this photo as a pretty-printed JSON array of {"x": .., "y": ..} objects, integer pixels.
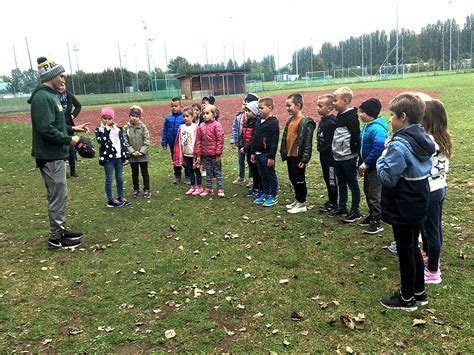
[{"x": 223, "y": 274}]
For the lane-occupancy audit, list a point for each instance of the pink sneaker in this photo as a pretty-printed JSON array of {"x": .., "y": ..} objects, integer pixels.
[
  {"x": 432, "y": 277},
  {"x": 220, "y": 193},
  {"x": 197, "y": 191},
  {"x": 206, "y": 192},
  {"x": 191, "y": 190}
]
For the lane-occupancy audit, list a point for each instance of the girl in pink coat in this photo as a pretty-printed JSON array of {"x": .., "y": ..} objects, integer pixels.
[{"x": 208, "y": 149}]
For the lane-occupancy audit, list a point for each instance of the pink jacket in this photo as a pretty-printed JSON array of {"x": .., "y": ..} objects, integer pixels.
[{"x": 209, "y": 138}]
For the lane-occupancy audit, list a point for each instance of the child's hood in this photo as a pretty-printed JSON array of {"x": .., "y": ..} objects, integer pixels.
[
  {"x": 381, "y": 121},
  {"x": 417, "y": 141}
]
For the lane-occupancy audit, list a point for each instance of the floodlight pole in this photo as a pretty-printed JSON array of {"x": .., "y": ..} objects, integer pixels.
[
  {"x": 28, "y": 50},
  {"x": 396, "y": 52},
  {"x": 166, "y": 55},
  {"x": 296, "y": 59},
  {"x": 450, "y": 42},
  {"x": 121, "y": 68},
  {"x": 146, "y": 45},
  {"x": 75, "y": 49},
  {"x": 70, "y": 69},
  {"x": 136, "y": 65}
]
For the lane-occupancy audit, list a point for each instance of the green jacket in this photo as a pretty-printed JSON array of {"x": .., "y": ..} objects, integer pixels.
[
  {"x": 50, "y": 139},
  {"x": 305, "y": 140},
  {"x": 137, "y": 138}
]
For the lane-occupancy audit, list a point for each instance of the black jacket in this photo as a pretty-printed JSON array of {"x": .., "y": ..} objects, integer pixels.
[
  {"x": 68, "y": 100},
  {"x": 305, "y": 140},
  {"x": 325, "y": 134},
  {"x": 345, "y": 143},
  {"x": 265, "y": 137}
]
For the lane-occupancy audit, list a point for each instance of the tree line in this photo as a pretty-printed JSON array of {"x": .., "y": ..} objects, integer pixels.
[{"x": 429, "y": 49}]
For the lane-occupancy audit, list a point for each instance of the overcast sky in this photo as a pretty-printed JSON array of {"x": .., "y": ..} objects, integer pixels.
[{"x": 231, "y": 29}]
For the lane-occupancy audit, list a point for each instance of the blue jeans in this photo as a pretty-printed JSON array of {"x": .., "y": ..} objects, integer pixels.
[
  {"x": 267, "y": 174},
  {"x": 346, "y": 173},
  {"x": 433, "y": 230},
  {"x": 241, "y": 160},
  {"x": 109, "y": 167}
]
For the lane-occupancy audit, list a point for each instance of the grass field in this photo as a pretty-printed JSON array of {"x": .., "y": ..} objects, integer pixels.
[{"x": 223, "y": 274}]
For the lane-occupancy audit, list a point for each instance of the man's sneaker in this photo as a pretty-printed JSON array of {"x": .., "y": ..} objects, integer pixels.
[
  {"x": 260, "y": 198},
  {"x": 251, "y": 193},
  {"x": 124, "y": 201},
  {"x": 74, "y": 174},
  {"x": 63, "y": 243},
  {"x": 114, "y": 203},
  {"x": 250, "y": 183},
  {"x": 291, "y": 205},
  {"x": 191, "y": 190},
  {"x": 270, "y": 201},
  {"x": 221, "y": 193},
  {"x": 147, "y": 194},
  {"x": 351, "y": 217},
  {"x": 238, "y": 181},
  {"x": 71, "y": 235},
  {"x": 396, "y": 301},
  {"x": 432, "y": 277},
  {"x": 392, "y": 248},
  {"x": 374, "y": 228},
  {"x": 421, "y": 298},
  {"x": 177, "y": 180},
  {"x": 136, "y": 193},
  {"x": 327, "y": 207},
  {"x": 299, "y": 207},
  {"x": 338, "y": 212},
  {"x": 197, "y": 191},
  {"x": 365, "y": 221},
  {"x": 206, "y": 192}
]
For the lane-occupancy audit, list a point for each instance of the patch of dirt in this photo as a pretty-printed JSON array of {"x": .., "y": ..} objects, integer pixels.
[
  {"x": 134, "y": 347},
  {"x": 154, "y": 114}
]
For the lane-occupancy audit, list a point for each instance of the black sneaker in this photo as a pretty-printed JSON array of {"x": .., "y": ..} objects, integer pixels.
[
  {"x": 327, "y": 207},
  {"x": 396, "y": 301},
  {"x": 124, "y": 201},
  {"x": 71, "y": 235},
  {"x": 421, "y": 298},
  {"x": 351, "y": 217},
  {"x": 63, "y": 243},
  {"x": 338, "y": 212},
  {"x": 374, "y": 228},
  {"x": 365, "y": 221}
]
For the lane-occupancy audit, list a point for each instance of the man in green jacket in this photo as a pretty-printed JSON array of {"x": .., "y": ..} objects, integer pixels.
[{"x": 50, "y": 147}]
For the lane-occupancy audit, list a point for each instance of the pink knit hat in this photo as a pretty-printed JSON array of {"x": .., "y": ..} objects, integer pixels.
[{"x": 107, "y": 111}]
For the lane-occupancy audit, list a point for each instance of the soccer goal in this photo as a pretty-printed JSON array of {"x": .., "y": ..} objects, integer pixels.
[{"x": 316, "y": 77}]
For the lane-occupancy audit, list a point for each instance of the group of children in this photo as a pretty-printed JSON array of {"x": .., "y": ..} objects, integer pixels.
[{"x": 404, "y": 177}]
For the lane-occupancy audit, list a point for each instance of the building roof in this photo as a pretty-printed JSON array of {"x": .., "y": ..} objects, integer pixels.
[{"x": 210, "y": 72}]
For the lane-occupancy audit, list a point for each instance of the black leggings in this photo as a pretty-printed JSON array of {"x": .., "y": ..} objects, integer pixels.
[{"x": 146, "y": 177}]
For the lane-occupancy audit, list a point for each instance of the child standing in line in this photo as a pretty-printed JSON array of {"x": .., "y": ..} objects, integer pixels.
[
  {"x": 236, "y": 138},
  {"x": 137, "y": 141},
  {"x": 197, "y": 112},
  {"x": 113, "y": 154},
  {"x": 253, "y": 116},
  {"x": 184, "y": 151},
  {"x": 325, "y": 134},
  {"x": 345, "y": 149},
  {"x": 208, "y": 100},
  {"x": 403, "y": 170},
  {"x": 208, "y": 149},
  {"x": 170, "y": 130},
  {"x": 372, "y": 140},
  {"x": 435, "y": 122},
  {"x": 263, "y": 146},
  {"x": 296, "y": 148}
]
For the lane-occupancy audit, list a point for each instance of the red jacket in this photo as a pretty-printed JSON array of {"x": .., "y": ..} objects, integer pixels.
[{"x": 209, "y": 138}]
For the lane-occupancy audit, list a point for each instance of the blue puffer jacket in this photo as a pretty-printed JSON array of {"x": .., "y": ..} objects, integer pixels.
[
  {"x": 170, "y": 129},
  {"x": 372, "y": 140},
  {"x": 403, "y": 171}
]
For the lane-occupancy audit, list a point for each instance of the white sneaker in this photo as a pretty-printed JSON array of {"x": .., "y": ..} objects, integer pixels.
[
  {"x": 291, "y": 205},
  {"x": 299, "y": 207},
  {"x": 238, "y": 181},
  {"x": 392, "y": 247}
]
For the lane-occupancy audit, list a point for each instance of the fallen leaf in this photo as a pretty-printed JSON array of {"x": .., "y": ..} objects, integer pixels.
[
  {"x": 170, "y": 333},
  {"x": 275, "y": 331},
  {"x": 286, "y": 342},
  {"x": 439, "y": 322},
  {"x": 141, "y": 270},
  {"x": 400, "y": 344},
  {"x": 258, "y": 315},
  {"x": 240, "y": 306},
  {"x": 349, "y": 350},
  {"x": 73, "y": 332},
  {"x": 418, "y": 322},
  {"x": 284, "y": 281},
  {"x": 304, "y": 332},
  {"x": 46, "y": 341},
  {"x": 243, "y": 329},
  {"x": 211, "y": 292},
  {"x": 173, "y": 228}
]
